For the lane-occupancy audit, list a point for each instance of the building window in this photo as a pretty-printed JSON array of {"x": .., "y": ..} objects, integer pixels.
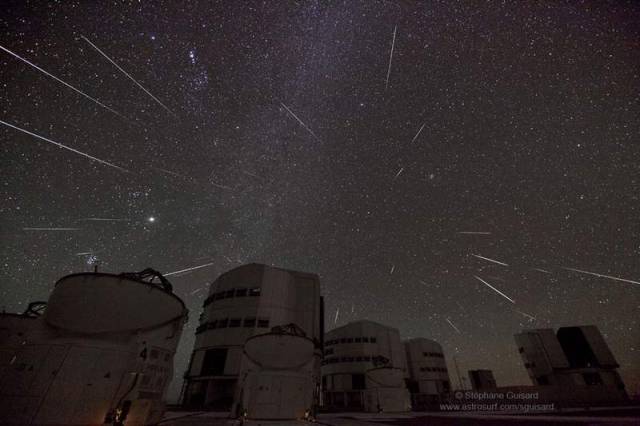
[
  {"x": 542, "y": 380},
  {"x": 229, "y": 293},
  {"x": 249, "y": 322},
  {"x": 214, "y": 361},
  {"x": 223, "y": 323},
  {"x": 521, "y": 349},
  {"x": 235, "y": 322},
  {"x": 358, "y": 359},
  {"x": 241, "y": 292},
  {"x": 372, "y": 339},
  {"x": 219, "y": 295},
  {"x": 211, "y": 325},
  {"x": 365, "y": 340},
  {"x": 445, "y": 386},
  {"x": 357, "y": 381},
  {"x": 254, "y": 291},
  {"x": 358, "y": 339},
  {"x": 343, "y": 340},
  {"x": 328, "y": 351},
  {"x": 263, "y": 323}
]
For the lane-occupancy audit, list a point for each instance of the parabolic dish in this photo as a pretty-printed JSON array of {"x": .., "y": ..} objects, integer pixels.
[
  {"x": 279, "y": 351},
  {"x": 100, "y": 303}
]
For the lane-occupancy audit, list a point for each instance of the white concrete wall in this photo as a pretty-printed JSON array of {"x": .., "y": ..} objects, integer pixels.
[{"x": 387, "y": 344}]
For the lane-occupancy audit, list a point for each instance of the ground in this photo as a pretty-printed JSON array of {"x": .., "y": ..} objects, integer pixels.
[{"x": 624, "y": 416}]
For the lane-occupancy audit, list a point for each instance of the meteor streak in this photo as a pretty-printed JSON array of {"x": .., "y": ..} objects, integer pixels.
[
  {"x": 335, "y": 320},
  {"x": 453, "y": 325},
  {"x": 188, "y": 269},
  {"x": 64, "y": 146},
  {"x": 474, "y": 233},
  {"x": 602, "y": 276},
  {"x": 418, "y": 134},
  {"x": 104, "y": 219},
  {"x": 393, "y": 268},
  {"x": 490, "y": 260},
  {"x": 169, "y": 172},
  {"x": 399, "y": 173},
  {"x": 65, "y": 83},
  {"x": 51, "y": 229},
  {"x": 529, "y": 317},
  {"x": 495, "y": 289},
  {"x": 541, "y": 270},
  {"x": 393, "y": 43},
  {"x": 127, "y": 74},
  {"x": 301, "y": 122}
]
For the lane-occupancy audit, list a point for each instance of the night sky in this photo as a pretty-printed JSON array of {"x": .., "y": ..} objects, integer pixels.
[{"x": 379, "y": 144}]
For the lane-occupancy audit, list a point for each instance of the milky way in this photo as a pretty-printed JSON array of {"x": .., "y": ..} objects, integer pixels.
[{"x": 415, "y": 135}]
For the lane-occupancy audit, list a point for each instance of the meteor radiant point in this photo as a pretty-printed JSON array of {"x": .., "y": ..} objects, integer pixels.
[
  {"x": 301, "y": 122},
  {"x": 127, "y": 74},
  {"x": 489, "y": 260},
  {"x": 602, "y": 276},
  {"x": 495, "y": 289},
  {"x": 65, "y": 83},
  {"x": 64, "y": 146}
]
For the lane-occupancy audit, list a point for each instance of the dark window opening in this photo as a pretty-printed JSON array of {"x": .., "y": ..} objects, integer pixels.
[
  {"x": 235, "y": 322},
  {"x": 263, "y": 323},
  {"x": 250, "y": 322},
  {"x": 229, "y": 293},
  {"x": 543, "y": 380},
  {"x": 241, "y": 292},
  {"x": 214, "y": 361},
  {"x": 357, "y": 381},
  {"x": 223, "y": 323},
  {"x": 254, "y": 291}
]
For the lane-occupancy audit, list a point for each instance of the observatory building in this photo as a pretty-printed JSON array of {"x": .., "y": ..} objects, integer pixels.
[
  {"x": 482, "y": 380},
  {"x": 428, "y": 375},
  {"x": 364, "y": 368},
  {"x": 100, "y": 351},
  {"x": 574, "y": 365},
  {"x": 258, "y": 344}
]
